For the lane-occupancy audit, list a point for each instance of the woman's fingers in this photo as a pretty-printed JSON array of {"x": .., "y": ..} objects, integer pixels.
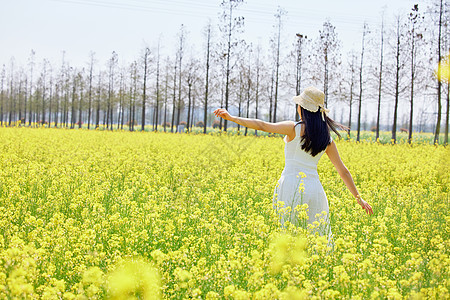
[
  {"x": 366, "y": 206},
  {"x": 219, "y": 112}
]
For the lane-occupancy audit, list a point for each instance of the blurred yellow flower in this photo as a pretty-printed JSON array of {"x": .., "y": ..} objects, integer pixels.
[
  {"x": 134, "y": 278},
  {"x": 442, "y": 72}
]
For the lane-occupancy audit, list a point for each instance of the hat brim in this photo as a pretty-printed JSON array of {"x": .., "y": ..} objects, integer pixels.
[{"x": 305, "y": 104}]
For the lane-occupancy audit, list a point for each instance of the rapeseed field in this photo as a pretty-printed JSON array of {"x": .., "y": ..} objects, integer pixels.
[{"x": 120, "y": 215}]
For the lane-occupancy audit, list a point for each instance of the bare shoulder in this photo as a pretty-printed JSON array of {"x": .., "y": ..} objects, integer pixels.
[
  {"x": 286, "y": 123},
  {"x": 284, "y": 127},
  {"x": 331, "y": 148}
]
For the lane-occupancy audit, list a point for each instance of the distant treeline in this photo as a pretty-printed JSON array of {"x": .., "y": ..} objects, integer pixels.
[{"x": 393, "y": 68}]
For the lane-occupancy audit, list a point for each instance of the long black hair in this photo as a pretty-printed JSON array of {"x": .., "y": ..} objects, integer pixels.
[{"x": 317, "y": 132}]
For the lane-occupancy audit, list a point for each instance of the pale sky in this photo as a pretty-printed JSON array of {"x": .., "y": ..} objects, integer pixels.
[{"x": 102, "y": 26}]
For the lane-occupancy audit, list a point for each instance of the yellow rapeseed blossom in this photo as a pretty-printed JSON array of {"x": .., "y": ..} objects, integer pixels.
[
  {"x": 131, "y": 215},
  {"x": 443, "y": 70},
  {"x": 134, "y": 279}
]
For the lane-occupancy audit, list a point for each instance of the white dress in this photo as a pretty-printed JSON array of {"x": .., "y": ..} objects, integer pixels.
[{"x": 312, "y": 193}]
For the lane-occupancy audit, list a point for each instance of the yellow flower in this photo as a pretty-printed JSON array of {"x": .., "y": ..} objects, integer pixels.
[
  {"x": 132, "y": 277},
  {"x": 443, "y": 70},
  {"x": 229, "y": 290}
]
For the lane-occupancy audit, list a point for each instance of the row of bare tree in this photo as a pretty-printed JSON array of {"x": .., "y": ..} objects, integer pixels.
[{"x": 394, "y": 65}]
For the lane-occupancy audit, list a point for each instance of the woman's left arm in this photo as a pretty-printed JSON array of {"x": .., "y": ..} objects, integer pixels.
[{"x": 286, "y": 127}]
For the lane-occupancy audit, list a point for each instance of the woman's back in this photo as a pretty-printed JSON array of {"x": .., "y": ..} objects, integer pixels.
[
  {"x": 298, "y": 160},
  {"x": 292, "y": 193}
]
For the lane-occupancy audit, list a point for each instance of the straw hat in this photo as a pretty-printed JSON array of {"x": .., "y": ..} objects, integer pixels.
[{"x": 312, "y": 99}]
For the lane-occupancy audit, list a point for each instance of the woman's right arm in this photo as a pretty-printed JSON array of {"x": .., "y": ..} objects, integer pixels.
[
  {"x": 333, "y": 155},
  {"x": 284, "y": 127}
]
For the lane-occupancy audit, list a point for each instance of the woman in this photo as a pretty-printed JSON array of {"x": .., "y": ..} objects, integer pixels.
[{"x": 305, "y": 143}]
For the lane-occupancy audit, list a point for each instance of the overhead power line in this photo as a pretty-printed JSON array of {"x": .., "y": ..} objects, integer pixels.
[{"x": 192, "y": 9}]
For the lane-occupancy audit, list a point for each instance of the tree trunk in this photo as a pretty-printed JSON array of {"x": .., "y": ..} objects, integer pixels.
[
  {"x": 189, "y": 106},
  {"x": 43, "y": 93},
  {"x": 298, "y": 77},
  {"x": 109, "y": 109},
  {"x": 66, "y": 102},
  {"x": 438, "y": 122},
  {"x": 174, "y": 96},
  {"x": 11, "y": 95},
  {"x": 49, "y": 105},
  {"x": 413, "y": 16},
  {"x": 350, "y": 112},
  {"x": 221, "y": 105},
  {"x": 16, "y": 99},
  {"x": 133, "y": 114},
  {"x": 105, "y": 113},
  {"x": 352, "y": 84},
  {"x": 130, "y": 105},
  {"x": 208, "y": 43},
  {"x": 30, "y": 116},
  {"x": 412, "y": 91},
  {"x": 397, "y": 83},
  {"x": 31, "y": 89},
  {"x": 72, "y": 117},
  {"x": 91, "y": 68},
  {"x": 133, "y": 96},
  {"x": 279, "y": 14},
  {"x": 121, "y": 102},
  {"x": 121, "y": 92},
  {"x": 65, "y": 108},
  {"x": 361, "y": 83},
  {"x": 325, "y": 77},
  {"x": 122, "y": 105},
  {"x": 240, "y": 100},
  {"x": 179, "y": 87},
  {"x": 193, "y": 108},
  {"x": 108, "y": 105},
  {"x": 257, "y": 87},
  {"x": 2, "y": 97},
  {"x": 20, "y": 99},
  {"x": 24, "y": 117},
  {"x": 380, "y": 82},
  {"x": 144, "y": 95},
  {"x": 80, "y": 104},
  {"x": 30, "y": 97},
  {"x": 447, "y": 114},
  {"x": 228, "y": 70},
  {"x": 97, "y": 113},
  {"x": 248, "y": 97},
  {"x": 157, "y": 103},
  {"x": 57, "y": 104},
  {"x": 271, "y": 98},
  {"x": 157, "y": 91},
  {"x": 166, "y": 89}
]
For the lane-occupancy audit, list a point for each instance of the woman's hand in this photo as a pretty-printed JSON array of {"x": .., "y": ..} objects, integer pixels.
[
  {"x": 366, "y": 206},
  {"x": 223, "y": 113}
]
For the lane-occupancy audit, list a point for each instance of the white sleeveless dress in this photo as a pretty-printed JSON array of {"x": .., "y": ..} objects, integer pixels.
[{"x": 287, "y": 188}]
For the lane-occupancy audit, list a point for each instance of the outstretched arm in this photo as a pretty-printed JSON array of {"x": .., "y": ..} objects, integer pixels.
[
  {"x": 285, "y": 127},
  {"x": 333, "y": 154}
]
